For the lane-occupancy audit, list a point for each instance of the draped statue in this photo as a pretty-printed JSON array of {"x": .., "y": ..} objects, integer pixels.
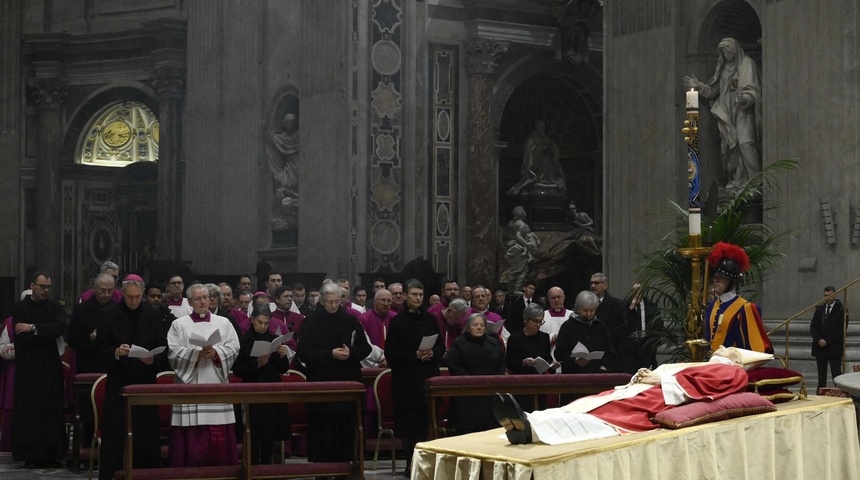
[
  {"x": 521, "y": 244},
  {"x": 735, "y": 94},
  {"x": 282, "y": 152},
  {"x": 540, "y": 163}
]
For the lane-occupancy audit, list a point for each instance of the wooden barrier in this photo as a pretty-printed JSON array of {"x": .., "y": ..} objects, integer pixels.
[
  {"x": 478, "y": 385},
  {"x": 245, "y": 394}
]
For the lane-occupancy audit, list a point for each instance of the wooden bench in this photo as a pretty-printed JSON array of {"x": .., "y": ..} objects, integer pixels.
[
  {"x": 479, "y": 385},
  {"x": 245, "y": 394}
]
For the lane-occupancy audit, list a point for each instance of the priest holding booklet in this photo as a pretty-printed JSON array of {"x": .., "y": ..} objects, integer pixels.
[
  {"x": 586, "y": 329},
  {"x": 203, "y": 347},
  {"x": 129, "y": 343}
]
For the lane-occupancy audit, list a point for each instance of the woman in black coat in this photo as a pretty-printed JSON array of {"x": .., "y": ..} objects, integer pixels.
[
  {"x": 332, "y": 346},
  {"x": 524, "y": 347},
  {"x": 411, "y": 366},
  {"x": 474, "y": 353},
  {"x": 269, "y": 421},
  {"x": 587, "y": 329}
]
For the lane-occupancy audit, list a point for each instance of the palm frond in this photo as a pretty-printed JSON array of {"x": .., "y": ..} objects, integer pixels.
[{"x": 665, "y": 275}]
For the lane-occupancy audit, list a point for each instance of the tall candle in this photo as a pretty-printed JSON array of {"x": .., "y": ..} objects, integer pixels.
[
  {"x": 692, "y": 100},
  {"x": 695, "y": 222}
]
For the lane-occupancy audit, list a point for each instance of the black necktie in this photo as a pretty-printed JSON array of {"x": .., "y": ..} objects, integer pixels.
[{"x": 828, "y": 310}]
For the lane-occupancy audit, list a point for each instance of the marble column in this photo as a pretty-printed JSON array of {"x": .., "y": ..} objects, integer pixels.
[
  {"x": 481, "y": 190},
  {"x": 169, "y": 83},
  {"x": 50, "y": 95}
]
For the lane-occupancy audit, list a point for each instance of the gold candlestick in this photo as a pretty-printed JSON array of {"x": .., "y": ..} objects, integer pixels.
[{"x": 695, "y": 251}]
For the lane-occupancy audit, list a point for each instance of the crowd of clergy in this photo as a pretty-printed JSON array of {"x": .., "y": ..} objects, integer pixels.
[{"x": 121, "y": 326}]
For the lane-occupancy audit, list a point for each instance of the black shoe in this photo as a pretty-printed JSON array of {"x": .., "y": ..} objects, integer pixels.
[
  {"x": 510, "y": 415},
  {"x": 48, "y": 464}
]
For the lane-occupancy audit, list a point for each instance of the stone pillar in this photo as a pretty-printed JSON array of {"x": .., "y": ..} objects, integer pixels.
[
  {"x": 481, "y": 190},
  {"x": 169, "y": 83},
  {"x": 50, "y": 94}
]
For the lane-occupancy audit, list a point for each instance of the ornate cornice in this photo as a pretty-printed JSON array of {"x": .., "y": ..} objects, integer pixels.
[
  {"x": 169, "y": 81},
  {"x": 49, "y": 93},
  {"x": 482, "y": 55}
]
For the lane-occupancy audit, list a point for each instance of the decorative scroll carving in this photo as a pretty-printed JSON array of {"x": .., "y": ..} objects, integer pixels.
[
  {"x": 169, "y": 81},
  {"x": 573, "y": 16},
  {"x": 49, "y": 93},
  {"x": 482, "y": 55}
]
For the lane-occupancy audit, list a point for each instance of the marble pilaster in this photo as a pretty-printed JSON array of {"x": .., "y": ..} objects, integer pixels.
[
  {"x": 481, "y": 175},
  {"x": 169, "y": 83},
  {"x": 50, "y": 94}
]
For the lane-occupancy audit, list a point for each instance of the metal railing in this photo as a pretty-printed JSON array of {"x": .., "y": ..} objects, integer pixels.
[{"x": 786, "y": 323}]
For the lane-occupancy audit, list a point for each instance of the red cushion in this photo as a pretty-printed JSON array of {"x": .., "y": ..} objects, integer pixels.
[
  {"x": 770, "y": 378},
  {"x": 697, "y": 413}
]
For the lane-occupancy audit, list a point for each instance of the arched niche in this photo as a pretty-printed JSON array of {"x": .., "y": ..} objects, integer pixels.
[
  {"x": 719, "y": 19},
  {"x": 284, "y": 204},
  {"x": 97, "y": 101},
  {"x": 569, "y": 100},
  {"x": 712, "y": 22}
]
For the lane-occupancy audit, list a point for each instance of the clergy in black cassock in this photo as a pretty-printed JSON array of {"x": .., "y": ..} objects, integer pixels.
[
  {"x": 333, "y": 345},
  {"x": 131, "y": 322},
  {"x": 38, "y": 425}
]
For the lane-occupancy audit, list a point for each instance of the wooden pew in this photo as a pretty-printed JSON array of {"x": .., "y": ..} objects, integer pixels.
[
  {"x": 245, "y": 394},
  {"x": 479, "y": 385}
]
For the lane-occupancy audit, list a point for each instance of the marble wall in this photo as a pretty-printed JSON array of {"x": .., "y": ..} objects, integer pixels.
[
  {"x": 10, "y": 135},
  {"x": 809, "y": 60}
]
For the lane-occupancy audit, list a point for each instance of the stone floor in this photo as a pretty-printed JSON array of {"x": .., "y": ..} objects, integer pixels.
[{"x": 11, "y": 470}]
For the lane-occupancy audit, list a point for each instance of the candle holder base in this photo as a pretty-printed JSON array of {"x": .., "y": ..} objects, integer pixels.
[{"x": 698, "y": 348}]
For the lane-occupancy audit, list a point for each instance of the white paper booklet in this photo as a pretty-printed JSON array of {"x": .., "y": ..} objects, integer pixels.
[
  {"x": 428, "y": 342},
  {"x": 579, "y": 351},
  {"x": 494, "y": 328},
  {"x": 541, "y": 365},
  {"x": 262, "y": 347},
  {"x": 205, "y": 336},
  {"x": 139, "y": 352}
]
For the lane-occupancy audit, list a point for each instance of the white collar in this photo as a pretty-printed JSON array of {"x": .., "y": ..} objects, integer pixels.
[{"x": 727, "y": 297}]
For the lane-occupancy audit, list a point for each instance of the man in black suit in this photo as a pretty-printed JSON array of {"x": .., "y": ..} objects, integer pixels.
[
  {"x": 612, "y": 311},
  {"x": 828, "y": 335},
  {"x": 514, "y": 316},
  {"x": 641, "y": 334}
]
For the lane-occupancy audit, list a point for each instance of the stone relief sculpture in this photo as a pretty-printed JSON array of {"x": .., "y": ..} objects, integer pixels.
[
  {"x": 521, "y": 244},
  {"x": 282, "y": 152},
  {"x": 735, "y": 94},
  {"x": 540, "y": 163}
]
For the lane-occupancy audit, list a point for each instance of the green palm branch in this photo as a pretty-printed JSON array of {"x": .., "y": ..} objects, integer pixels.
[{"x": 665, "y": 275}]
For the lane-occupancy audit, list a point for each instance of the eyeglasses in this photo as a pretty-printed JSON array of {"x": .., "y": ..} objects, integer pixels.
[
  {"x": 397, "y": 293},
  {"x": 538, "y": 321},
  {"x": 42, "y": 286},
  {"x": 200, "y": 298},
  {"x": 331, "y": 302},
  {"x": 596, "y": 283}
]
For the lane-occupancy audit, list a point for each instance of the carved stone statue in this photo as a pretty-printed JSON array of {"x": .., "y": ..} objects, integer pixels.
[
  {"x": 521, "y": 244},
  {"x": 735, "y": 95},
  {"x": 282, "y": 152},
  {"x": 540, "y": 163}
]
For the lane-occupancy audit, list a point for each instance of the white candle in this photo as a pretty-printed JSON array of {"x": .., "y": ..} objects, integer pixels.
[
  {"x": 695, "y": 223},
  {"x": 692, "y": 100}
]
